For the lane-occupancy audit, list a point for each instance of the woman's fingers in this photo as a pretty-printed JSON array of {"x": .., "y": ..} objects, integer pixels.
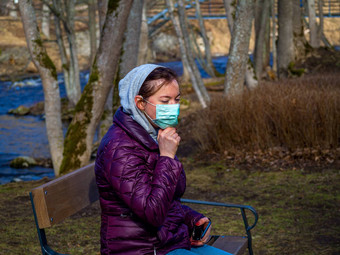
[
  {"x": 202, "y": 221},
  {"x": 168, "y": 141}
]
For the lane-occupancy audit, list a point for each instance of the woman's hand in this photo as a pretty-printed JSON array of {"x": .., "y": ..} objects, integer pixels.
[
  {"x": 168, "y": 141},
  {"x": 204, "y": 221}
]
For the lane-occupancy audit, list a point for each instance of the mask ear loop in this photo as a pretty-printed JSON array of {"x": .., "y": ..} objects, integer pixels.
[{"x": 147, "y": 115}]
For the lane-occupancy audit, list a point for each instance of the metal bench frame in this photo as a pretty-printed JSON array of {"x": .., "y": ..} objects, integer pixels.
[{"x": 90, "y": 180}]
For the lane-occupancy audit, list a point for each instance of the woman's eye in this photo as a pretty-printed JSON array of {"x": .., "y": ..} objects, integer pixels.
[
  {"x": 165, "y": 102},
  {"x": 177, "y": 100}
]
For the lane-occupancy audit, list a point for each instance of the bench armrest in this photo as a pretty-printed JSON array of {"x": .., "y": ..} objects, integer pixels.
[{"x": 244, "y": 216}]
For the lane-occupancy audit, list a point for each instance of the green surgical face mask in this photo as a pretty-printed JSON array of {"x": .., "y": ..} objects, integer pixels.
[{"x": 166, "y": 115}]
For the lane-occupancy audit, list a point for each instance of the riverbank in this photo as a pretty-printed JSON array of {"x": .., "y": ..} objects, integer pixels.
[
  {"x": 298, "y": 210},
  {"x": 15, "y": 62}
]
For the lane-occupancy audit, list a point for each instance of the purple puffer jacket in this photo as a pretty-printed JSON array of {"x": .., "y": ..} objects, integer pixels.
[{"x": 139, "y": 193}]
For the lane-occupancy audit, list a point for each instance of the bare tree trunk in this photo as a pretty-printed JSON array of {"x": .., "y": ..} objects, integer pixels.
[
  {"x": 75, "y": 92},
  {"x": 102, "y": 9},
  {"x": 238, "y": 54},
  {"x": 209, "y": 64},
  {"x": 132, "y": 36},
  {"x": 285, "y": 46},
  {"x": 89, "y": 109},
  {"x": 321, "y": 34},
  {"x": 180, "y": 25},
  {"x": 48, "y": 75},
  {"x": 65, "y": 63},
  {"x": 185, "y": 76},
  {"x": 274, "y": 52},
  {"x": 45, "y": 23},
  {"x": 4, "y": 7},
  {"x": 143, "y": 39},
  {"x": 65, "y": 11},
  {"x": 299, "y": 39},
  {"x": 92, "y": 29},
  {"x": 230, "y": 11},
  {"x": 250, "y": 76},
  {"x": 262, "y": 12},
  {"x": 314, "y": 40}
]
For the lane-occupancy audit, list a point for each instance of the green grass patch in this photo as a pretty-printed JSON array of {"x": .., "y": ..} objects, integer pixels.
[{"x": 298, "y": 211}]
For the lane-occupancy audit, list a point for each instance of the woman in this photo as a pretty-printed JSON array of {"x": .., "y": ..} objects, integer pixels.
[{"x": 139, "y": 178}]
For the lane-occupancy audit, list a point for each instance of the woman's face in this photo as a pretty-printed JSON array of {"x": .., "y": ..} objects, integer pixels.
[{"x": 167, "y": 94}]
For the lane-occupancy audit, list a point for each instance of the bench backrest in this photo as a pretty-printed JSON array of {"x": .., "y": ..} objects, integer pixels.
[{"x": 56, "y": 200}]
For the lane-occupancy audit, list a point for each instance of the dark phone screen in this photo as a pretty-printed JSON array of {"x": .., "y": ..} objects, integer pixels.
[{"x": 199, "y": 231}]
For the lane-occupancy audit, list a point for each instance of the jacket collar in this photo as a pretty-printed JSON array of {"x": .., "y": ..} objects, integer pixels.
[{"x": 133, "y": 129}]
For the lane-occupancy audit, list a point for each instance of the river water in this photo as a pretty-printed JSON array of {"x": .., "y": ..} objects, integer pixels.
[{"x": 26, "y": 135}]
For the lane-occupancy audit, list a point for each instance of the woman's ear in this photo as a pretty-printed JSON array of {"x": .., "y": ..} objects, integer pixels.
[{"x": 140, "y": 103}]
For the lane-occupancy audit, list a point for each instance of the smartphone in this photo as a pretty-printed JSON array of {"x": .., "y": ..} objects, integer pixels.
[{"x": 199, "y": 231}]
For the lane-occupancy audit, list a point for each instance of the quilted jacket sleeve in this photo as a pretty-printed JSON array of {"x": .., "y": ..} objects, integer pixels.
[
  {"x": 191, "y": 217},
  {"x": 147, "y": 190}
]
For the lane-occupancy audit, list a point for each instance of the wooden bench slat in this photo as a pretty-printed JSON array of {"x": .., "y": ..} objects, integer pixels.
[
  {"x": 64, "y": 196},
  {"x": 233, "y": 244}
]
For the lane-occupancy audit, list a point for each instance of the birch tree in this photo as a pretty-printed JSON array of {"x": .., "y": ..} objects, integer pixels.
[
  {"x": 239, "y": 46},
  {"x": 48, "y": 75},
  {"x": 188, "y": 61},
  {"x": 285, "y": 46},
  {"x": 89, "y": 109},
  {"x": 250, "y": 76}
]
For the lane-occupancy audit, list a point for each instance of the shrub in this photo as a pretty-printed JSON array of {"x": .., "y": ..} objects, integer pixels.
[{"x": 295, "y": 113}]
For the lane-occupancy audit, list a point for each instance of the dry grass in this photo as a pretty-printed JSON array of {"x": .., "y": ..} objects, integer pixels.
[{"x": 299, "y": 113}]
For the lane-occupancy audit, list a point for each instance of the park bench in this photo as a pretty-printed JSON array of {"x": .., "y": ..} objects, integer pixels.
[{"x": 62, "y": 197}]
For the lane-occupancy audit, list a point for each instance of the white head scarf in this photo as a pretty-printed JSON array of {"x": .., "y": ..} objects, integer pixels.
[{"x": 129, "y": 87}]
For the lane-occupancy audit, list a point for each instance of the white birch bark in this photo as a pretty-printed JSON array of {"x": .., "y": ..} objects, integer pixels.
[
  {"x": 48, "y": 75},
  {"x": 238, "y": 53}
]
